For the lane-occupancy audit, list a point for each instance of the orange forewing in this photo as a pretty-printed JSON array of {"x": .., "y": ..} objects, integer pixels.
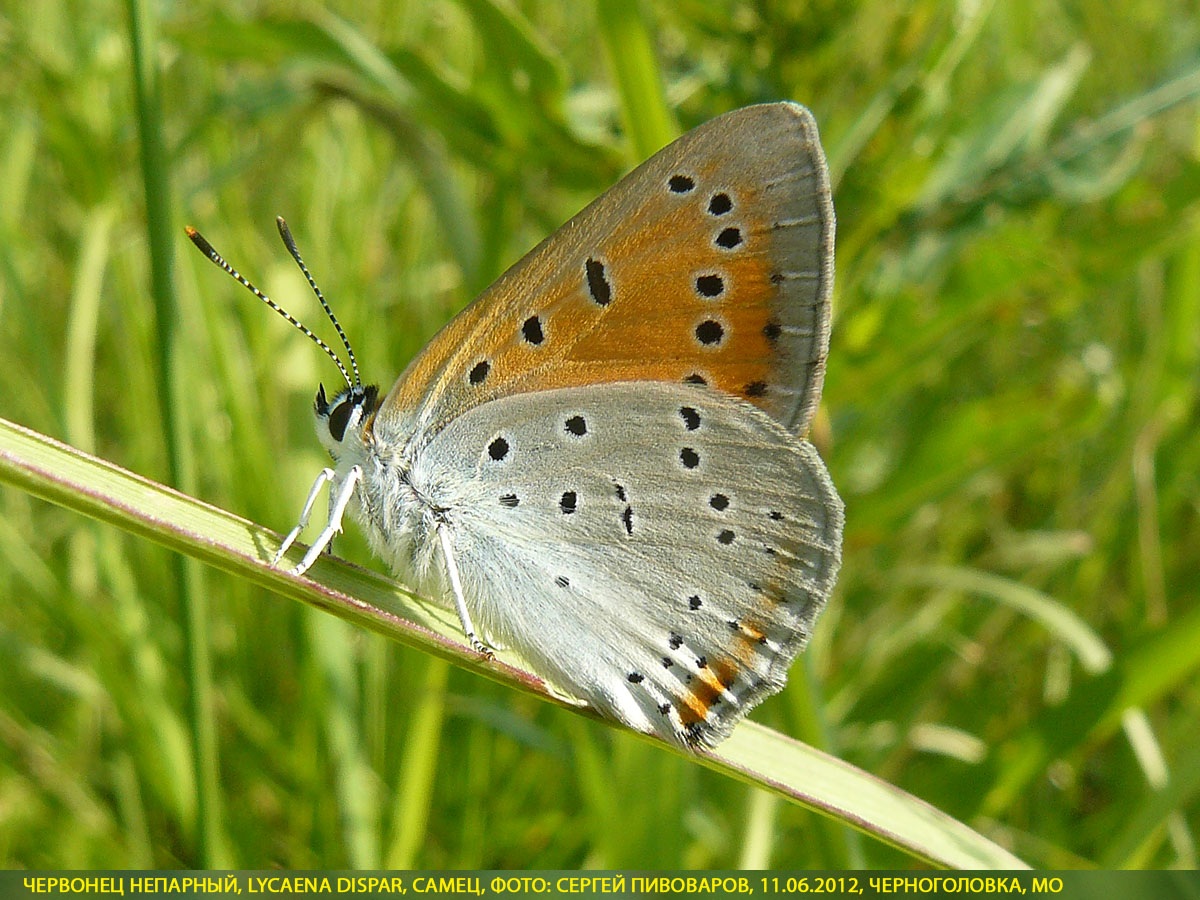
[{"x": 711, "y": 262}]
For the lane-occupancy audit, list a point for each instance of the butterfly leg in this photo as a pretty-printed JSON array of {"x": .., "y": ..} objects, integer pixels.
[
  {"x": 460, "y": 601},
  {"x": 339, "y": 499},
  {"x": 324, "y": 476}
]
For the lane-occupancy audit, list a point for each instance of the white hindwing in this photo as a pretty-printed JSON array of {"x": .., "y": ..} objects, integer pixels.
[{"x": 661, "y": 551}]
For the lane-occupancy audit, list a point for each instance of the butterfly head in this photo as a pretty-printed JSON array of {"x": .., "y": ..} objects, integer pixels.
[{"x": 346, "y": 417}]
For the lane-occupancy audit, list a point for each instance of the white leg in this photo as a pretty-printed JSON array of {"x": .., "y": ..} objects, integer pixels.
[
  {"x": 337, "y": 508},
  {"x": 460, "y": 600},
  {"x": 326, "y": 475}
]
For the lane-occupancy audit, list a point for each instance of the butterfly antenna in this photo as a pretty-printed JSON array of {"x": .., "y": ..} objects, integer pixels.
[
  {"x": 290, "y": 243},
  {"x": 207, "y": 249}
]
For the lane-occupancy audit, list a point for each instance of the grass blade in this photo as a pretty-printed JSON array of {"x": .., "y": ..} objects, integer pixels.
[
  {"x": 630, "y": 53},
  {"x": 156, "y": 183}
]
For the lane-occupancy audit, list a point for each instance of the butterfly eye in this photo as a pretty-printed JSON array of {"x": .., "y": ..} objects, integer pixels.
[
  {"x": 340, "y": 417},
  {"x": 365, "y": 400}
]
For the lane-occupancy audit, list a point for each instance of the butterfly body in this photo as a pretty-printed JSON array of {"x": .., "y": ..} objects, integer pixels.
[{"x": 600, "y": 462}]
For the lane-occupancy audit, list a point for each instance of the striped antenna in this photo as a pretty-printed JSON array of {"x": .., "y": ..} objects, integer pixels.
[
  {"x": 286, "y": 234},
  {"x": 207, "y": 249}
]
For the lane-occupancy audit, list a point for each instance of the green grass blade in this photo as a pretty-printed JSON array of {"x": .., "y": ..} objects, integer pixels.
[
  {"x": 354, "y": 782},
  {"x": 1059, "y": 621},
  {"x": 630, "y": 53},
  {"x": 418, "y": 765},
  {"x": 769, "y": 759},
  {"x": 1159, "y": 663},
  {"x": 526, "y": 68},
  {"x": 143, "y": 27},
  {"x": 1142, "y": 831}
]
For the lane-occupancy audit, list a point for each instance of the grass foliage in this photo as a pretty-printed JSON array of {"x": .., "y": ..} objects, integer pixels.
[{"x": 1010, "y": 414}]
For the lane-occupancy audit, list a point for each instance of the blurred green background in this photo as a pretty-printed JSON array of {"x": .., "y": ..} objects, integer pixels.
[{"x": 1010, "y": 415}]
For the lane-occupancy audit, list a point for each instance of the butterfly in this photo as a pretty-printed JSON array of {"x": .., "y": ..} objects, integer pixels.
[{"x": 601, "y": 462}]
